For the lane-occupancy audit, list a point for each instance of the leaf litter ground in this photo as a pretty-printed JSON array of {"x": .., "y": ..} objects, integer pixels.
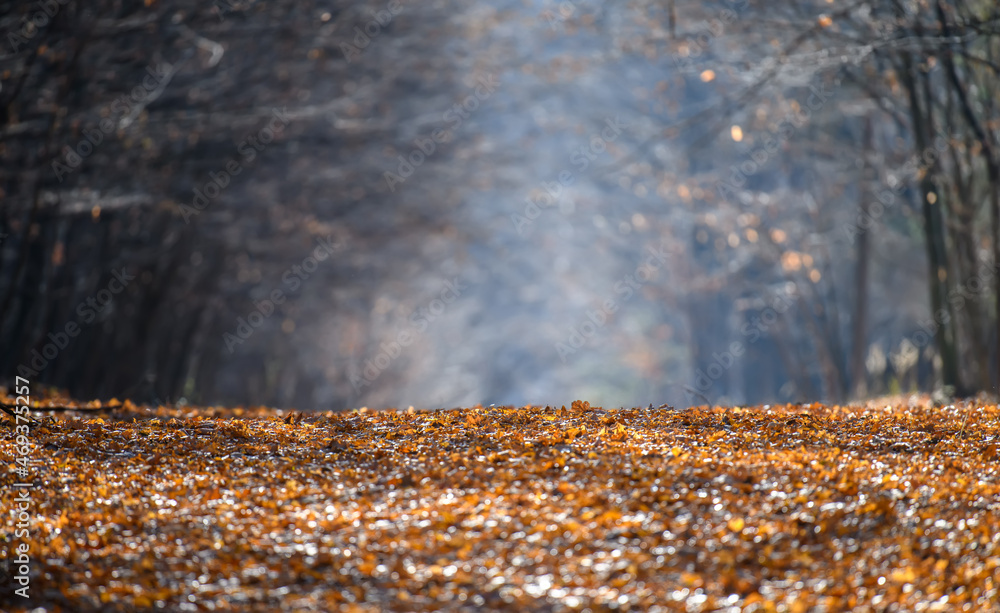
[{"x": 776, "y": 508}]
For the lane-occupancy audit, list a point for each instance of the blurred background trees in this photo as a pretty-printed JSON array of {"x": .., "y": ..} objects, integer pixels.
[
  {"x": 910, "y": 88},
  {"x": 820, "y": 182}
]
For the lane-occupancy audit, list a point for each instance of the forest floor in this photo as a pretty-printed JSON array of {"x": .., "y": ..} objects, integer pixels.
[{"x": 890, "y": 506}]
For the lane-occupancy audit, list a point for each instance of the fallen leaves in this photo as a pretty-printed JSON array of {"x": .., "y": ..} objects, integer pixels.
[{"x": 779, "y": 508}]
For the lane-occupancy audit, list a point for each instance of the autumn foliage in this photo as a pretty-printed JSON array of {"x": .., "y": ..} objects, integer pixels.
[{"x": 780, "y": 508}]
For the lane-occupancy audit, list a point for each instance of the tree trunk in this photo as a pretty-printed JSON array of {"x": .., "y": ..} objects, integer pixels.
[
  {"x": 937, "y": 256},
  {"x": 859, "y": 342}
]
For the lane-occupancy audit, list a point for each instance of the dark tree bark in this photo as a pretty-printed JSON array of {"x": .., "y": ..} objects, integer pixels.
[{"x": 859, "y": 343}]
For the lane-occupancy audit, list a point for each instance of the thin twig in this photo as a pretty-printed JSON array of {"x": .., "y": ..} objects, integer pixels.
[
  {"x": 691, "y": 390},
  {"x": 961, "y": 433},
  {"x": 7, "y": 408}
]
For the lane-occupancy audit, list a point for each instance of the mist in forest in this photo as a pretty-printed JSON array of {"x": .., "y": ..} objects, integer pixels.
[{"x": 329, "y": 205}]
